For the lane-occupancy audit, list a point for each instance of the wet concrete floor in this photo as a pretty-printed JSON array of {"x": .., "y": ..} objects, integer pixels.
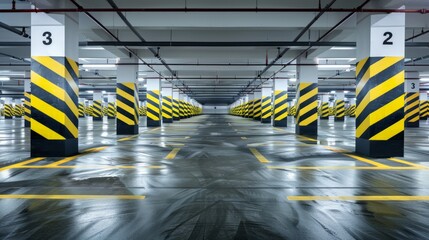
[{"x": 213, "y": 177}]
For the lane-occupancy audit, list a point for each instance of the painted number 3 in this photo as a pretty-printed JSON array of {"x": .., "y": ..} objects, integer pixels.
[
  {"x": 48, "y": 38},
  {"x": 388, "y": 36},
  {"x": 413, "y": 86}
]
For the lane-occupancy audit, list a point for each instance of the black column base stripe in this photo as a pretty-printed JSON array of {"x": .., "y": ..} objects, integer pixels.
[
  {"x": 167, "y": 120},
  {"x": 280, "y": 123},
  {"x": 412, "y": 124},
  {"x": 176, "y": 118},
  {"x": 54, "y": 148},
  {"x": 380, "y": 149},
  {"x": 324, "y": 118},
  {"x": 266, "y": 120},
  {"x": 339, "y": 119},
  {"x": 309, "y": 130},
  {"x": 125, "y": 129}
]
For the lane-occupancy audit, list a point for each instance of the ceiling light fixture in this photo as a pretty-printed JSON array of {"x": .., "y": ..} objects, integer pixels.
[
  {"x": 2, "y": 78},
  {"x": 98, "y": 65},
  {"x": 343, "y": 48},
  {"x": 92, "y": 48},
  {"x": 333, "y": 67}
]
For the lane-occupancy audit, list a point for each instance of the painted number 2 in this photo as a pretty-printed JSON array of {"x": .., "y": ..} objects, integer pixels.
[
  {"x": 48, "y": 38},
  {"x": 388, "y": 36}
]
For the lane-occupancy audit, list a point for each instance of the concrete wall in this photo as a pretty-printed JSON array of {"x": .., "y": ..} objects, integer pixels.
[{"x": 208, "y": 109}]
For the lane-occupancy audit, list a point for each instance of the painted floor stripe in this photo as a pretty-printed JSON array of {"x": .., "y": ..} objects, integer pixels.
[
  {"x": 172, "y": 154},
  {"x": 358, "y": 198},
  {"x": 407, "y": 163},
  {"x": 344, "y": 168},
  {"x": 95, "y": 167},
  {"x": 374, "y": 163},
  {"x": 22, "y": 163},
  {"x": 258, "y": 155},
  {"x": 68, "y": 159},
  {"x": 71, "y": 197}
]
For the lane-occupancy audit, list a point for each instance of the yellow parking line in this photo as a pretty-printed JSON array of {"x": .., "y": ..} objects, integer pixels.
[
  {"x": 258, "y": 155},
  {"x": 172, "y": 154},
  {"x": 358, "y": 198},
  {"x": 128, "y": 138},
  {"x": 71, "y": 197},
  {"x": 68, "y": 159},
  {"x": 407, "y": 163},
  {"x": 356, "y": 157},
  {"x": 344, "y": 168},
  {"x": 89, "y": 167},
  {"x": 22, "y": 163}
]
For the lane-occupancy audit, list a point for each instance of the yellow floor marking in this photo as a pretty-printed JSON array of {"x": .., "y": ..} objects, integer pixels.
[
  {"x": 172, "y": 154},
  {"x": 258, "y": 155},
  {"x": 154, "y": 129},
  {"x": 291, "y": 144},
  {"x": 22, "y": 163},
  {"x": 307, "y": 138},
  {"x": 244, "y": 138},
  {"x": 407, "y": 163},
  {"x": 344, "y": 168},
  {"x": 174, "y": 144},
  {"x": 71, "y": 197},
  {"x": 90, "y": 167},
  {"x": 358, "y": 198},
  {"x": 128, "y": 138},
  {"x": 356, "y": 157},
  {"x": 68, "y": 159}
]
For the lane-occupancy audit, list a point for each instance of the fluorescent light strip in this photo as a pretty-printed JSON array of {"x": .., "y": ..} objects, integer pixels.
[
  {"x": 98, "y": 65},
  {"x": 4, "y": 78},
  {"x": 326, "y": 66}
]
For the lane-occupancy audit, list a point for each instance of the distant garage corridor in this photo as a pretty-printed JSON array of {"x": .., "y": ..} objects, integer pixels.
[{"x": 213, "y": 177}]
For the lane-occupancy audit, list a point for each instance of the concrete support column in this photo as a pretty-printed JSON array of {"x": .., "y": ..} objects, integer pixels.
[
  {"x": 111, "y": 106},
  {"x": 324, "y": 107},
  {"x": 424, "y": 106},
  {"x": 127, "y": 98},
  {"x": 307, "y": 89},
  {"x": 352, "y": 108},
  {"x": 81, "y": 107},
  {"x": 167, "y": 105},
  {"x": 176, "y": 105},
  {"x": 249, "y": 111},
  {"x": 97, "y": 106},
  {"x": 380, "y": 85},
  {"x": 8, "y": 108},
  {"x": 266, "y": 106},
  {"x": 340, "y": 107},
  {"x": 257, "y": 105},
  {"x": 54, "y": 83},
  {"x": 412, "y": 101},
  {"x": 27, "y": 102},
  {"x": 280, "y": 106},
  {"x": 153, "y": 96},
  {"x": 17, "y": 110}
]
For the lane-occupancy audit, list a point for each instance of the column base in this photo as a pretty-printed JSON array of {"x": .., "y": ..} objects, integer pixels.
[
  {"x": 339, "y": 119},
  {"x": 380, "y": 149},
  {"x": 54, "y": 148},
  {"x": 282, "y": 123},
  {"x": 8, "y": 117},
  {"x": 97, "y": 119},
  {"x": 412, "y": 124},
  {"x": 324, "y": 118},
  {"x": 151, "y": 123},
  {"x": 27, "y": 124},
  {"x": 306, "y": 130},
  {"x": 124, "y": 129},
  {"x": 167, "y": 120},
  {"x": 176, "y": 118},
  {"x": 423, "y": 118},
  {"x": 265, "y": 120},
  {"x": 257, "y": 118},
  {"x": 111, "y": 117}
]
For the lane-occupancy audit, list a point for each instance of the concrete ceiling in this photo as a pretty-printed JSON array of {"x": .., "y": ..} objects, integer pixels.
[{"x": 213, "y": 74}]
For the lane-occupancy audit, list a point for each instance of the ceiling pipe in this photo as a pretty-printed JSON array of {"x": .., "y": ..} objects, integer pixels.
[
  {"x": 191, "y": 10},
  {"x": 155, "y": 52},
  {"x": 418, "y": 35},
  {"x": 14, "y": 30}
]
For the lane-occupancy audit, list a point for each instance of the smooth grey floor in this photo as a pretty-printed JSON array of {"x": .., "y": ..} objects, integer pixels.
[{"x": 216, "y": 187}]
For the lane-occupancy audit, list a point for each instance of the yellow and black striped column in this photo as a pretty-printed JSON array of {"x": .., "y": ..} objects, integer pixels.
[
  {"x": 111, "y": 110},
  {"x": 127, "y": 104},
  {"x": 280, "y": 108},
  {"x": 352, "y": 110},
  {"x": 339, "y": 110},
  {"x": 176, "y": 106},
  {"x": 306, "y": 113},
  {"x": 54, "y": 106},
  {"x": 257, "y": 110},
  {"x": 412, "y": 110},
  {"x": 266, "y": 105},
  {"x": 324, "y": 110},
  {"x": 8, "y": 110},
  {"x": 27, "y": 102},
  {"x": 97, "y": 111},
  {"x": 424, "y": 107},
  {"x": 153, "y": 108},
  {"x": 380, "y": 106},
  {"x": 81, "y": 110},
  {"x": 17, "y": 110},
  {"x": 167, "y": 109}
]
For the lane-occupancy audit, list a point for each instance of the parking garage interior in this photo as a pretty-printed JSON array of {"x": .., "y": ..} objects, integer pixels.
[{"x": 198, "y": 119}]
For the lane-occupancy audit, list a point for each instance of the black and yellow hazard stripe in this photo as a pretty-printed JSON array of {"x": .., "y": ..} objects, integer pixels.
[
  {"x": 306, "y": 112},
  {"x": 153, "y": 106},
  {"x": 127, "y": 104},
  {"x": 266, "y": 109},
  {"x": 18, "y": 111},
  {"x": 324, "y": 110},
  {"x": 167, "y": 109},
  {"x": 8, "y": 111},
  {"x": 257, "y": 110},
  {"x": 412, "y": 109},
  {"x": 340, "y": 110},
  {"x": 111, "y": 110},
  {"x": 97, "y": 110},
  {"x": 250, "y": 109},
  {"x": 380, "y": 107},
  {"x": 54, "y": 106},
  {"x": 181, "y": 109},
  {"x": 27, "y": 109},
  {"x": 81, "y": 110},
  {"x": 292, "y": 111},
  {"x": 187, "y": 110},
  {"x": 424, "y": 109},
  {"x": 352, "y": 110},
  {"x": 280, "y": 108},
  {"x": 176, "y": 110}
]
